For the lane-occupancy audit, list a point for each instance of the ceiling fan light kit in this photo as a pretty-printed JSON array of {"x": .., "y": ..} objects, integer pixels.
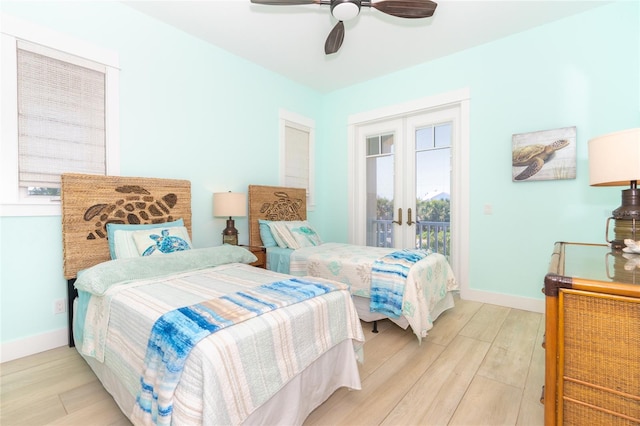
[{"x": 343, "y": 10}]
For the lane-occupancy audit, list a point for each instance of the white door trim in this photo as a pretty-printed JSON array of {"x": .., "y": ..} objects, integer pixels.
[{"x": 460, "y": 172}]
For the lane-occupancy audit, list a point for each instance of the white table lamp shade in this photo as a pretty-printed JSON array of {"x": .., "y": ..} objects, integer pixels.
[
  {"x": 229, "y": 204},
  {"x": 614, "y": 159}
]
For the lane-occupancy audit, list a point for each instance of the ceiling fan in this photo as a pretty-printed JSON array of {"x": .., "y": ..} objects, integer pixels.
[{"x": 343, "y": 10}]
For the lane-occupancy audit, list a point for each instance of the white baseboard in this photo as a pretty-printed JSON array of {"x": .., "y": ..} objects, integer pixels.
[
  {"x": 510, "y": 301},
  {"x": 34, "y": 344}
]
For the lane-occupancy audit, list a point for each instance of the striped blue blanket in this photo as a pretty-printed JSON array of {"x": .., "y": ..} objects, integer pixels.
[
  {"x": 388, "y": 277},
  {"x": 175, "y": 333}
]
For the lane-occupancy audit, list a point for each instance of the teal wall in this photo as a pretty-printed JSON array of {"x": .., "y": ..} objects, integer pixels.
[
  {"x": 186, "y": 107},
  {"x": 582, "y": 71},
  {"x": 188, "y": 110}
]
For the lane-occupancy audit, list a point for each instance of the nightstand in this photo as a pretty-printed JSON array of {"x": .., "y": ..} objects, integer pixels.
[{"x": 260, "y": 253}]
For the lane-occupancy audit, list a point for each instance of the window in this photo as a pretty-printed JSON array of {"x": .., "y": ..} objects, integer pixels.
[
  {"x": 296, "y": 153},
  {"x": 59, "y": 115}
]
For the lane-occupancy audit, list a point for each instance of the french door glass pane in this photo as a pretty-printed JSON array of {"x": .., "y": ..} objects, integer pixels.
[
  {"x": 386, "y": 144},
  {"x": 442, "y": 135},
  {"x": 380, "y": 172},
  {"x": 373, "y": 145},
  {"x": 424, "y": 138},
  {"x": 433, "y": 188}
]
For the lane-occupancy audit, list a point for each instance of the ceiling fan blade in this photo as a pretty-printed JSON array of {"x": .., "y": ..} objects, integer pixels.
[
  {"x": 334, "y": 40},
  {"x": 285, "y": 2},
  {"x": 404, "y": 8}
]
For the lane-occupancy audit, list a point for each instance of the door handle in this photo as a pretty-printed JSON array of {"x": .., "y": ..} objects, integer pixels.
[
  {"x": 399, "y": 221},
  {"x": 409, "y": 221}
]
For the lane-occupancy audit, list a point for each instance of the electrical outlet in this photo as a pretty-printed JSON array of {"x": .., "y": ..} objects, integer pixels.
[{"x": 60, "y": 306}]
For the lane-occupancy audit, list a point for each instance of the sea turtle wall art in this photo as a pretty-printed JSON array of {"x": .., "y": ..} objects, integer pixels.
[{"x": 544, "y": 155}]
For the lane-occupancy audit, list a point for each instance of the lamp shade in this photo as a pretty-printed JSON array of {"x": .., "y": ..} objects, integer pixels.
[
  {"x": 229, "y": 204},
  {"x": 614, "y": 159}
]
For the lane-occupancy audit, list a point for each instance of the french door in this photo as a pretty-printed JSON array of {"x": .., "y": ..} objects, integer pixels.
[{"x": 404, "y": 175}]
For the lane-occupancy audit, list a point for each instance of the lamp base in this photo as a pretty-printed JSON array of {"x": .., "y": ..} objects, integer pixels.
[
  {"x": 230, "y": 239},
  {"x": 622, "y": 229},
  {"x": 630, "y": 208},
  {"x": 626, "y": 217},
  {"x": 230, "y": 233}
]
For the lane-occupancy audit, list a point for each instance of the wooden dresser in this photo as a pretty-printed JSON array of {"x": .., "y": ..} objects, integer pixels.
[{"x": 592, "y": 336}]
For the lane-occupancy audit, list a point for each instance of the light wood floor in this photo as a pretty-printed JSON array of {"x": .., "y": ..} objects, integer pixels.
[{"x": 480, "y": 365}]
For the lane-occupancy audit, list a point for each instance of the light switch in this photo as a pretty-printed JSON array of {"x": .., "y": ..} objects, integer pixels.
[{"x": 488, "y": 209}]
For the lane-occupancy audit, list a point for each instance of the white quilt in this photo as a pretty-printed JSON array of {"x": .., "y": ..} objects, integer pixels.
[
  {"x": 237, "y": 369},
  {"x": 428, "y": 282}
]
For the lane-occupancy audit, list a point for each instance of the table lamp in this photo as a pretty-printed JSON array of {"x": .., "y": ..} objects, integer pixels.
[
  {"x": 229, "y": 204},
  {"x": 614, "y": 160}
]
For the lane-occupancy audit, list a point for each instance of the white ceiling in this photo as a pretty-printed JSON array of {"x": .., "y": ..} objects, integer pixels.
[{"x": 289, "y": 40}]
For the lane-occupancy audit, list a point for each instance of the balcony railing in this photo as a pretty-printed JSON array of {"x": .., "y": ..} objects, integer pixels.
[{"x": 433, "y": 235}]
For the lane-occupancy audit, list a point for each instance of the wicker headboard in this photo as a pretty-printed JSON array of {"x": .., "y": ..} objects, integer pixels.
[
  {"x": 274, "y": 203},
  {"x": 89, "y": 202}
]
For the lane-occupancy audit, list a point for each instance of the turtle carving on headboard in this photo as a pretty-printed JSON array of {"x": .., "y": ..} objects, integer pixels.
[
  {"x": 274, "y": 203},
  {"x": 283, "y": 208},
  {"x": 90, "y": 202},
  {"x": 141, "y": 207}
]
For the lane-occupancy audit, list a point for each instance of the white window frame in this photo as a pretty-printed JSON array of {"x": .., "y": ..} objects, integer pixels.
[
  {"x": 288, "y": 118},
  {"x": 14, "y": 202}
]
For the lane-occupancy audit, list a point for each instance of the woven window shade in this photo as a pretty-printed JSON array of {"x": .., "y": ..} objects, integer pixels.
[
  {"x": 296, "y": 158},
  {"x": 61, "y": 119}
]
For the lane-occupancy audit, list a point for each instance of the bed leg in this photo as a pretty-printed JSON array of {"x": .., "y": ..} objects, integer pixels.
[
  {"x": 72, "y": 293},
  {"x": 375, "y": 327}
]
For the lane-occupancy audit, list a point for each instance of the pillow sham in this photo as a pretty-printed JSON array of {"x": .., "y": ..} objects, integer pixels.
[
  {"x": 282, "y": 235},
  {"x": 295, "y": 234},
  {"x": 127, "y": 247},
  {"x": 304, "y": 234},
  {"x": 151, "y": 242},
  {"x": 265, "y": 234},
  {"x": 97, "y": 279}
]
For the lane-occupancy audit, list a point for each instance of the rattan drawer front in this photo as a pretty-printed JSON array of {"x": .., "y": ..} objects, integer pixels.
[
  {"x": 576, "y": 414},
  {"x": 600, "y": 360}
]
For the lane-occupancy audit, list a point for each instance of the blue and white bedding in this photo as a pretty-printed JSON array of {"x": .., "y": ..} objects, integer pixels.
[
  {"x": 230, "y": 373},
  {"x": 428, "y": 281},
  {"x": 388, "y": 279}
]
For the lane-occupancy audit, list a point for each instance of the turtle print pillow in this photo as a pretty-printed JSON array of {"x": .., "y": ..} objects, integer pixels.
[
  {"x": 295, "y": 234},
  {"x": 304, "y": 234},
  {"x": 121, "y": 243},
  {"x": 151, "y": 242}
]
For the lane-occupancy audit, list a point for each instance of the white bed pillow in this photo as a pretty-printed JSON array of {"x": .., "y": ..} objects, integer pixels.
[
  {"x": 294, "y": 234},
  {"x": 99, "y": 278},
  {"x": 304, "y": 234},
  {"x": 281, "y": 234},
  {"x": 123, "y": 245},
  {"x": 151, "y": 242}
]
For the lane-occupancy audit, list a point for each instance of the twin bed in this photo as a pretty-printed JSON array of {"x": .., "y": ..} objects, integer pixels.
[
  {"x": 428, "y": 283},
  {"x": 179, "y": 335},
  {"x": 259, "y": 347}
]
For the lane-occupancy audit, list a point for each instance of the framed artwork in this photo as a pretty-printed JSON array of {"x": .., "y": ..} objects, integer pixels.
[{"x": 544, "y": 155}]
